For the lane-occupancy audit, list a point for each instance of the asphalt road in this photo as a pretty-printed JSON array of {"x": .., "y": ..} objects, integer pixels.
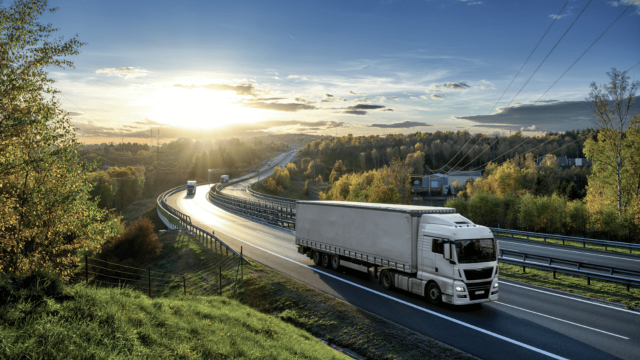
[{"x": 526, "y": 323}]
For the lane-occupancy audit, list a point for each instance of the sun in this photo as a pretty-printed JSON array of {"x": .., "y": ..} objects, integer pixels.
[{"x": 200, "y": 108}]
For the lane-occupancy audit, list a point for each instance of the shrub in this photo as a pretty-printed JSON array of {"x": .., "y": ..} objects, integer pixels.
[{"x": 136, "y": 244}]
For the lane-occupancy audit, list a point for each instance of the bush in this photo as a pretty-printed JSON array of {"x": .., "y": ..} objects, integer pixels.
[
  {"x": 136, "y": 244},
  {"x": 36, "y": 286}
]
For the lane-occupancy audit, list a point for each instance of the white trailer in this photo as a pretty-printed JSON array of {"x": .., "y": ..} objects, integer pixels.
[
  {"x": 191, "y": 187},
  {"x": 429, "y": 251}
]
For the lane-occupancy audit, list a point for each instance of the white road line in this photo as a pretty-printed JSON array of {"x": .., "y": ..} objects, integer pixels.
[
  {"x": 577, "y": 252},
  {"x": 569, "y": 322},
  {"x": 501, "y": 337},
  {"x": 572, "y": 298},
  {"x": 263, "y": 233}
]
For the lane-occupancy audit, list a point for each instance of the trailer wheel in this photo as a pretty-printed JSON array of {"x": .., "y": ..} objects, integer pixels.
[
  {"x": 387, "y": 279},
  {"x": 317, "y": 257},
  {"x": 326, "y": 260},
  {"x": 335, "y": 262},
  {"x": 434, "y": 295}
]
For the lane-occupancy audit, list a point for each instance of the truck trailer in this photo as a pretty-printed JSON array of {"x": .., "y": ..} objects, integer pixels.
[
  {"x": 430, "y": 251},
  {"x": 191, "y": 187}
]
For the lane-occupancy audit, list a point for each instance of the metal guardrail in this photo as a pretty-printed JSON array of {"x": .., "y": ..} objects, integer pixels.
[
  {"x": 571, "y": 267},
  {"x": 273, "y": 213},
  {"x": 584, "y": 241},
  {"x": 271, "y": 198},
  {"x": 183, "y": 221}
]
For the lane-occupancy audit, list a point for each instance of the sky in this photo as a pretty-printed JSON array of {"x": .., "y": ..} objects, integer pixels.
[{"x": 219, "y": 68}]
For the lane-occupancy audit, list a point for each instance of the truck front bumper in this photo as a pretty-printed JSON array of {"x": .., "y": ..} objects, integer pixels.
[{"x": 464, "y": 298}]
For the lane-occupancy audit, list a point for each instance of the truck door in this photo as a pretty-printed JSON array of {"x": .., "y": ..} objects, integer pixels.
[
  {"x": 427, "y": 257},
  {"x": 444, "y": 269}
]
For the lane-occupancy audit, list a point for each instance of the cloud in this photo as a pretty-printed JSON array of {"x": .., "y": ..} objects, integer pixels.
[
  {"x": 355, "y": 112},
  {"x": 556, "y": 17},
  {"x": 387, "y": 110},
  {"x": 73, "y": 113},
  {"x": 530, "y": 128},
  {"x": 552, "y": 116},
  {"x": 277, "y": 78},
  {"x": 304, "y": 101},
  {"x": 242, "y": 89},
  {"x": 148, "y": 122},
  {"x": 361, "y": 109},
  {"x": 293, "y": 77},
  {"x": 436, "y": 97},
  {"x": 128, "y": 72},
  {"x": 461, "y": 85},
  {"x": 364, "y": 99},
  {"x": 354, "y": 93},
  {"x": 400, "y": 125},
  {"x": 287, "y": 107}
]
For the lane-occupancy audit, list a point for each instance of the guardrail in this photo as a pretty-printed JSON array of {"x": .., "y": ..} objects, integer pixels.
[
  {"x": 180, "y": 220},
  {"x": 584, "y": 241},
  {"x": 271, "y": 198},
  {"x": 273, "y": 213},
  {"x": 571, "y": 267}
]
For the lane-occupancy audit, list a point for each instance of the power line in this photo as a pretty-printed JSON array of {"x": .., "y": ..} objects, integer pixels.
[{"x": 525, "y": 62}]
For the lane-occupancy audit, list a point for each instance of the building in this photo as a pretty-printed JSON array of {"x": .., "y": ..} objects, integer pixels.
[
  {"x": 434, "y": 181},
  {"x": 460, "y": 178},
  {"x": 566, "y": 163}
]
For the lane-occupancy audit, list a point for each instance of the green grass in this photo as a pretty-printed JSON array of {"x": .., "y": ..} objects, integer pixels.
[
  {"x": 598, "y": 289},
  {"x": 576, "y": 244},
  {"x": 122, "y": 324}
]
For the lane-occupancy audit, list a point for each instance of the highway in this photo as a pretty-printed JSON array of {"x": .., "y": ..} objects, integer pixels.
[{"x": 526, "y": 323}]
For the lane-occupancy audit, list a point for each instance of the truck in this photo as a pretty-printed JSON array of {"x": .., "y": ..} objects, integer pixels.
[
  {"x": 430, "y": 251},
  {"x": 191, "y": 187},
  {"x": 224, "y": 179}
]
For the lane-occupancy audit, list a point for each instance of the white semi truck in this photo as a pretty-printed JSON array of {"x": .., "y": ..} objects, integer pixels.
[
  {"x": 191, "y": 187},
  {"x": 224, "y": 179},
  {"x": 429, "y": 251}
]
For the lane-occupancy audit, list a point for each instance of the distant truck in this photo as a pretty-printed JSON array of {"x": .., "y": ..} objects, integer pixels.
[
  {"x": 191, "y": 187},
  {"x": 429, "y": 251},
  {"x": 224, "y": 179}
]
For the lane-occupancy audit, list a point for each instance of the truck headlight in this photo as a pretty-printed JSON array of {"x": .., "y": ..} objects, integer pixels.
[
  {"x": 460, "y": 288},
  {"x": 495, "y": 286}
]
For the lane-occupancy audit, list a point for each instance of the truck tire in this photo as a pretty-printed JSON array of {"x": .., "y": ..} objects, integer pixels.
[
  {"x": 434, "y": 295},
  {"x": 386, "y": 277},
  {"x": 335, "y": 262},
  {"x": 317, "y": 257},
  {"x": 326, "y": 260}
]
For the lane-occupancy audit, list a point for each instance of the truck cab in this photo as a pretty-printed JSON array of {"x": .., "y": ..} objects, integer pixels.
[
  {"x": 460, "y": 257},
  {"x": 224, "y": 179},
  {"x": 191, "y": 187}
]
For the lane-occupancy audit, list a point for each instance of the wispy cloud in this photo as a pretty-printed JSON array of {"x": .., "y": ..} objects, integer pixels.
[
  {"x": 242, "y": 89},
  {"x": 461, "y": 85},
  {"x": 401, "y": 125},
  {"x": 128, "y": 72}
]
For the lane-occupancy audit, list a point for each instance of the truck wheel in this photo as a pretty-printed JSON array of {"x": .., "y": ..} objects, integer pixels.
[
  {"x": 387, "y": 279},
  {"x": 317, "y": 257},
  {"x": 434, "y": 295},
  {"x": 326, "y": 260},
  {"x": 335, "y": 262}
]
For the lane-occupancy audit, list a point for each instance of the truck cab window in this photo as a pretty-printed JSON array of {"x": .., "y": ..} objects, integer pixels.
[{"x": 437, "y": 246}]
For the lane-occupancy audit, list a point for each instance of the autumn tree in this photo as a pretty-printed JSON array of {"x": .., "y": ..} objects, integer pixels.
[
  {"x": 46, "y": 211},
  {"x": 613, "y": 104}
]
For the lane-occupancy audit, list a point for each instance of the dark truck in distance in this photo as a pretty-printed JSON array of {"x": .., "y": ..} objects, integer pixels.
[{"x": 430, "y": 251}]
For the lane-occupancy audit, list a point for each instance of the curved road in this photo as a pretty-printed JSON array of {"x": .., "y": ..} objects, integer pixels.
[{"x": 526, "y": 323}]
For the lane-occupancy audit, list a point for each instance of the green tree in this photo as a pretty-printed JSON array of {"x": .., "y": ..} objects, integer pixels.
[
  {"x": 46, "y": 211},
  {"x": 612, "y": 104}
]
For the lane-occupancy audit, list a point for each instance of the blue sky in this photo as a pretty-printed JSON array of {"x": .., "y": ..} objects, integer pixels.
[{"x": 360, "y": 67}]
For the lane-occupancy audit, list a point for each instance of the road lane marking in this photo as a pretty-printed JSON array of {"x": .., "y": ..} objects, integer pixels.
[
  {"x": 577, "y": 252},
  {"x": 569, "y": 322},
  {"x": 572, "y": 298},
  {"x": 263, "y": 233},
  {"x": 473, "y": 327}
]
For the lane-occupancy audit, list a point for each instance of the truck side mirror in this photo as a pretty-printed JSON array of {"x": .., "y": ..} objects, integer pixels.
[{"x": 447, "y": 251}]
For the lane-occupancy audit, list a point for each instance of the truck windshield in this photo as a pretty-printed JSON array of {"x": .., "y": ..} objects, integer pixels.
[{"x": 475, "y": 250}]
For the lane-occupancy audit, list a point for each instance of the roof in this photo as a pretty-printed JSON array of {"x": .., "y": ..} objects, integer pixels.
[
  {"x": 191, "y": 182},
  {"x": 465, "y": 173},
  {"x": 411, "y": 209},
  {"x": 434, "y": 176}
]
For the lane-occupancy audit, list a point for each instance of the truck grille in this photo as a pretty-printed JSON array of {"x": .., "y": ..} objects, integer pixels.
[
  {"x": 478, "y": 274},
  {"x": 484, "y": 287}
]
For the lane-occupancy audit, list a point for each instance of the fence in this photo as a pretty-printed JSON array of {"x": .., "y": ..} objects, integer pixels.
[
  {"x": 584, "y": 241},
  {"x": 620, "y": 276}
]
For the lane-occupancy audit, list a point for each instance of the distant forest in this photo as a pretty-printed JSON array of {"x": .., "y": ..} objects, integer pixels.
[{"x": 440, "y": 152}]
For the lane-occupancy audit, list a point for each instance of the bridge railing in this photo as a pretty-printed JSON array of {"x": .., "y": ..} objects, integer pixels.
[{"x": 563, "y": 238}]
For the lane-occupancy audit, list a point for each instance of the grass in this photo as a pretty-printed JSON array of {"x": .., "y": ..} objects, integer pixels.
[
  {"x": 123, "y": 324},
  {"x": 598, "y": 289},
  {"x": 576, "y": 244}
]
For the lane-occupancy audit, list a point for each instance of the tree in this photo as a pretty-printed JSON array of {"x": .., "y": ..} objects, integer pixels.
[
  {"x": 46, "y": 211},
  {"x": 612, "y": 103}
]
